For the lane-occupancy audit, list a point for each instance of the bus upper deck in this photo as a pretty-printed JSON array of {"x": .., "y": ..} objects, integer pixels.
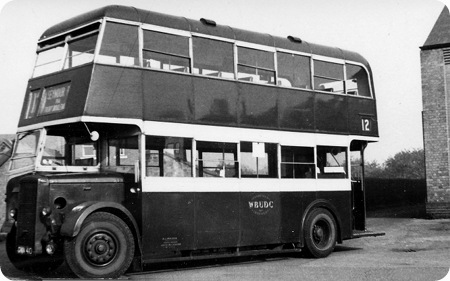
[{"x": 172, "y": 69}]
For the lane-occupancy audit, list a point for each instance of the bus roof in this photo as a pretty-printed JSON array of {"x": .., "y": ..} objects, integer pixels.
[{"x": 148, "y": 17}]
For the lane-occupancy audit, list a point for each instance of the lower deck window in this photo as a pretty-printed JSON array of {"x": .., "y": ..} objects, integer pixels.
[
  {"x": 185, "y": 157},
  {"x": 332, "y": 161},
  {"x": 258, "y": 160},
  {"x": 297, "y": 162},
  {"x": 217, "y": 159},
  {"x": 168, "y": 157},
  {"x": 123, "y": 152}
]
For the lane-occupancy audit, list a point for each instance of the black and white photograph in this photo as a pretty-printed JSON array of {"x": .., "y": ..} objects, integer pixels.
[{"x": 225, "y": 140}]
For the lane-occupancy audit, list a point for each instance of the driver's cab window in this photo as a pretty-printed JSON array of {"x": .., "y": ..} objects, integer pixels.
[
  {"x": 123, "y": 154},
  {"x": 69, "y": 151}
]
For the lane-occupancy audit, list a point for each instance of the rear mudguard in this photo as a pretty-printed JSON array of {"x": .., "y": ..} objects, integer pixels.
[{"x": 322, "y": 203}]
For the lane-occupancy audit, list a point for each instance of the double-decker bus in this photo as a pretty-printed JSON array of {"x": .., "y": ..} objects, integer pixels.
[{"x": 147, "y": 137}]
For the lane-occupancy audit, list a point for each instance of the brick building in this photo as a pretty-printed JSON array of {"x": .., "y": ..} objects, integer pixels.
[{"x": 435, "y": 64}]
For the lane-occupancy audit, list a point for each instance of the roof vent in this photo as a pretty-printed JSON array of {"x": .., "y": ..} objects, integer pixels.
[
  {"x": 294, "y": 39},
  {"x": 208, "y": 22}
]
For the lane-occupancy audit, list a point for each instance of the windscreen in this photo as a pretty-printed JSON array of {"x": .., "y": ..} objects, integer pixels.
[{"x": 25, "y": 150}]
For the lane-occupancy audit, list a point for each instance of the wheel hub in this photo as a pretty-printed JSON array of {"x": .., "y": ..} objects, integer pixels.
[
  {"x": 318, "y": 233},
  {"x": 100, "y": 249}
]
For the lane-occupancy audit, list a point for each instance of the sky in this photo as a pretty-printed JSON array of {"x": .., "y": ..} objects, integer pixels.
[{"x": 388, "y": 33}]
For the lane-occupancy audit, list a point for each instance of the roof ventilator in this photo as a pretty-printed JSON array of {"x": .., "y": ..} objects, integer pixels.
[
  {"x": 208, "y": 22},
  {"x": 294, "y": 39}
]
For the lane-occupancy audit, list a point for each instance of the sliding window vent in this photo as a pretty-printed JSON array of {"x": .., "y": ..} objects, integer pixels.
[{"x": 446, "y": 56}]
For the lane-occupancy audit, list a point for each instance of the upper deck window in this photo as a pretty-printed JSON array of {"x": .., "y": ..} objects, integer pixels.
[
  {"x": 294, "y": 71},
  {"x": 120, "y": 44},
  {"x": 357, "y": 81},
  {"x": 166, "y": 51},
  {"x": 256, "y": 66},
  {"x": 329, "y": 77},
  {"x": 213, "y": 58},
  {"x": 66, "y": 51},
  {"x": 80, "y": 51},
  {"x": 49, "y": 60}
]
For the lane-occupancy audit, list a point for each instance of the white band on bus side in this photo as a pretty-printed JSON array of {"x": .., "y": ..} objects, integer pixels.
[
  {"x": 234, "y": 134},
  {"x": 187, "y": 184},
  {"x": 217, "y": 133}
]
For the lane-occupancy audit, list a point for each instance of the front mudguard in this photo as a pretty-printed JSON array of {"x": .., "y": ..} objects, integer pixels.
[{"x": 75, "y": 218}]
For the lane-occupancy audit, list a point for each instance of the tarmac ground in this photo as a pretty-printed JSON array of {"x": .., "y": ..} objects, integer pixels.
[{"x": 412, "y": 249}]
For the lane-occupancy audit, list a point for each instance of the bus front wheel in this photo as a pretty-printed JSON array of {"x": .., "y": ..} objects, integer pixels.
[
  {"x": 320, "y": 233},
  {"x": 104, "y": 247}
]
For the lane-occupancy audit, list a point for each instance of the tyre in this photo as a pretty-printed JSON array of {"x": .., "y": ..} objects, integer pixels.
[
  {"x": 42, "y": 264},
  {"x": 104, "y": 247},
  {"x": 320, "y": 233}
]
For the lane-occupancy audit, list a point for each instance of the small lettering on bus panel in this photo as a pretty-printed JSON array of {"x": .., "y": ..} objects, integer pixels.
[
  {"x": 260, "y": 205},
  {"x": 170, "y": 242}
]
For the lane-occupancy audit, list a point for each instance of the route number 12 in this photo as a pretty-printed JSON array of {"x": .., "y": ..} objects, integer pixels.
[{"x": 365, "y": 124}]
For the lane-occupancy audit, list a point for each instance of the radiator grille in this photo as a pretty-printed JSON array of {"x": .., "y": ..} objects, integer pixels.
[{"x": 26, "y": 217}]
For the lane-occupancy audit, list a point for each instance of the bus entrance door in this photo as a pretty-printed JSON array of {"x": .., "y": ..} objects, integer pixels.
[
  {"x": 359, "y": 209},
  {"x": 358, "y": 196},
  {"x": 358, "y": 192}
]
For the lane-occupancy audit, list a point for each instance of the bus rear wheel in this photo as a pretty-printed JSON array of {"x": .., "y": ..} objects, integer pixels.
[
  {"x": 104, "y": 247},
  {"x": 320, "y": 233}
]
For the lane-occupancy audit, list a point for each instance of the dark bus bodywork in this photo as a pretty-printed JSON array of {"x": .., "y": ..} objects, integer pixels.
[
  {"x": 174, "y": 97},
  {"x": 48, "y": 207}
]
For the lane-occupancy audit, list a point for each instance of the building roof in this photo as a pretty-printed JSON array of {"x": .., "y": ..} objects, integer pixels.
[{"x": 439, "y": 36}]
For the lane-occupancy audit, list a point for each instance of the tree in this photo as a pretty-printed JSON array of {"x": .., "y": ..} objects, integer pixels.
[
  {"x": 374, "y": 170},
  {"x": 407, "y": 164}
]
